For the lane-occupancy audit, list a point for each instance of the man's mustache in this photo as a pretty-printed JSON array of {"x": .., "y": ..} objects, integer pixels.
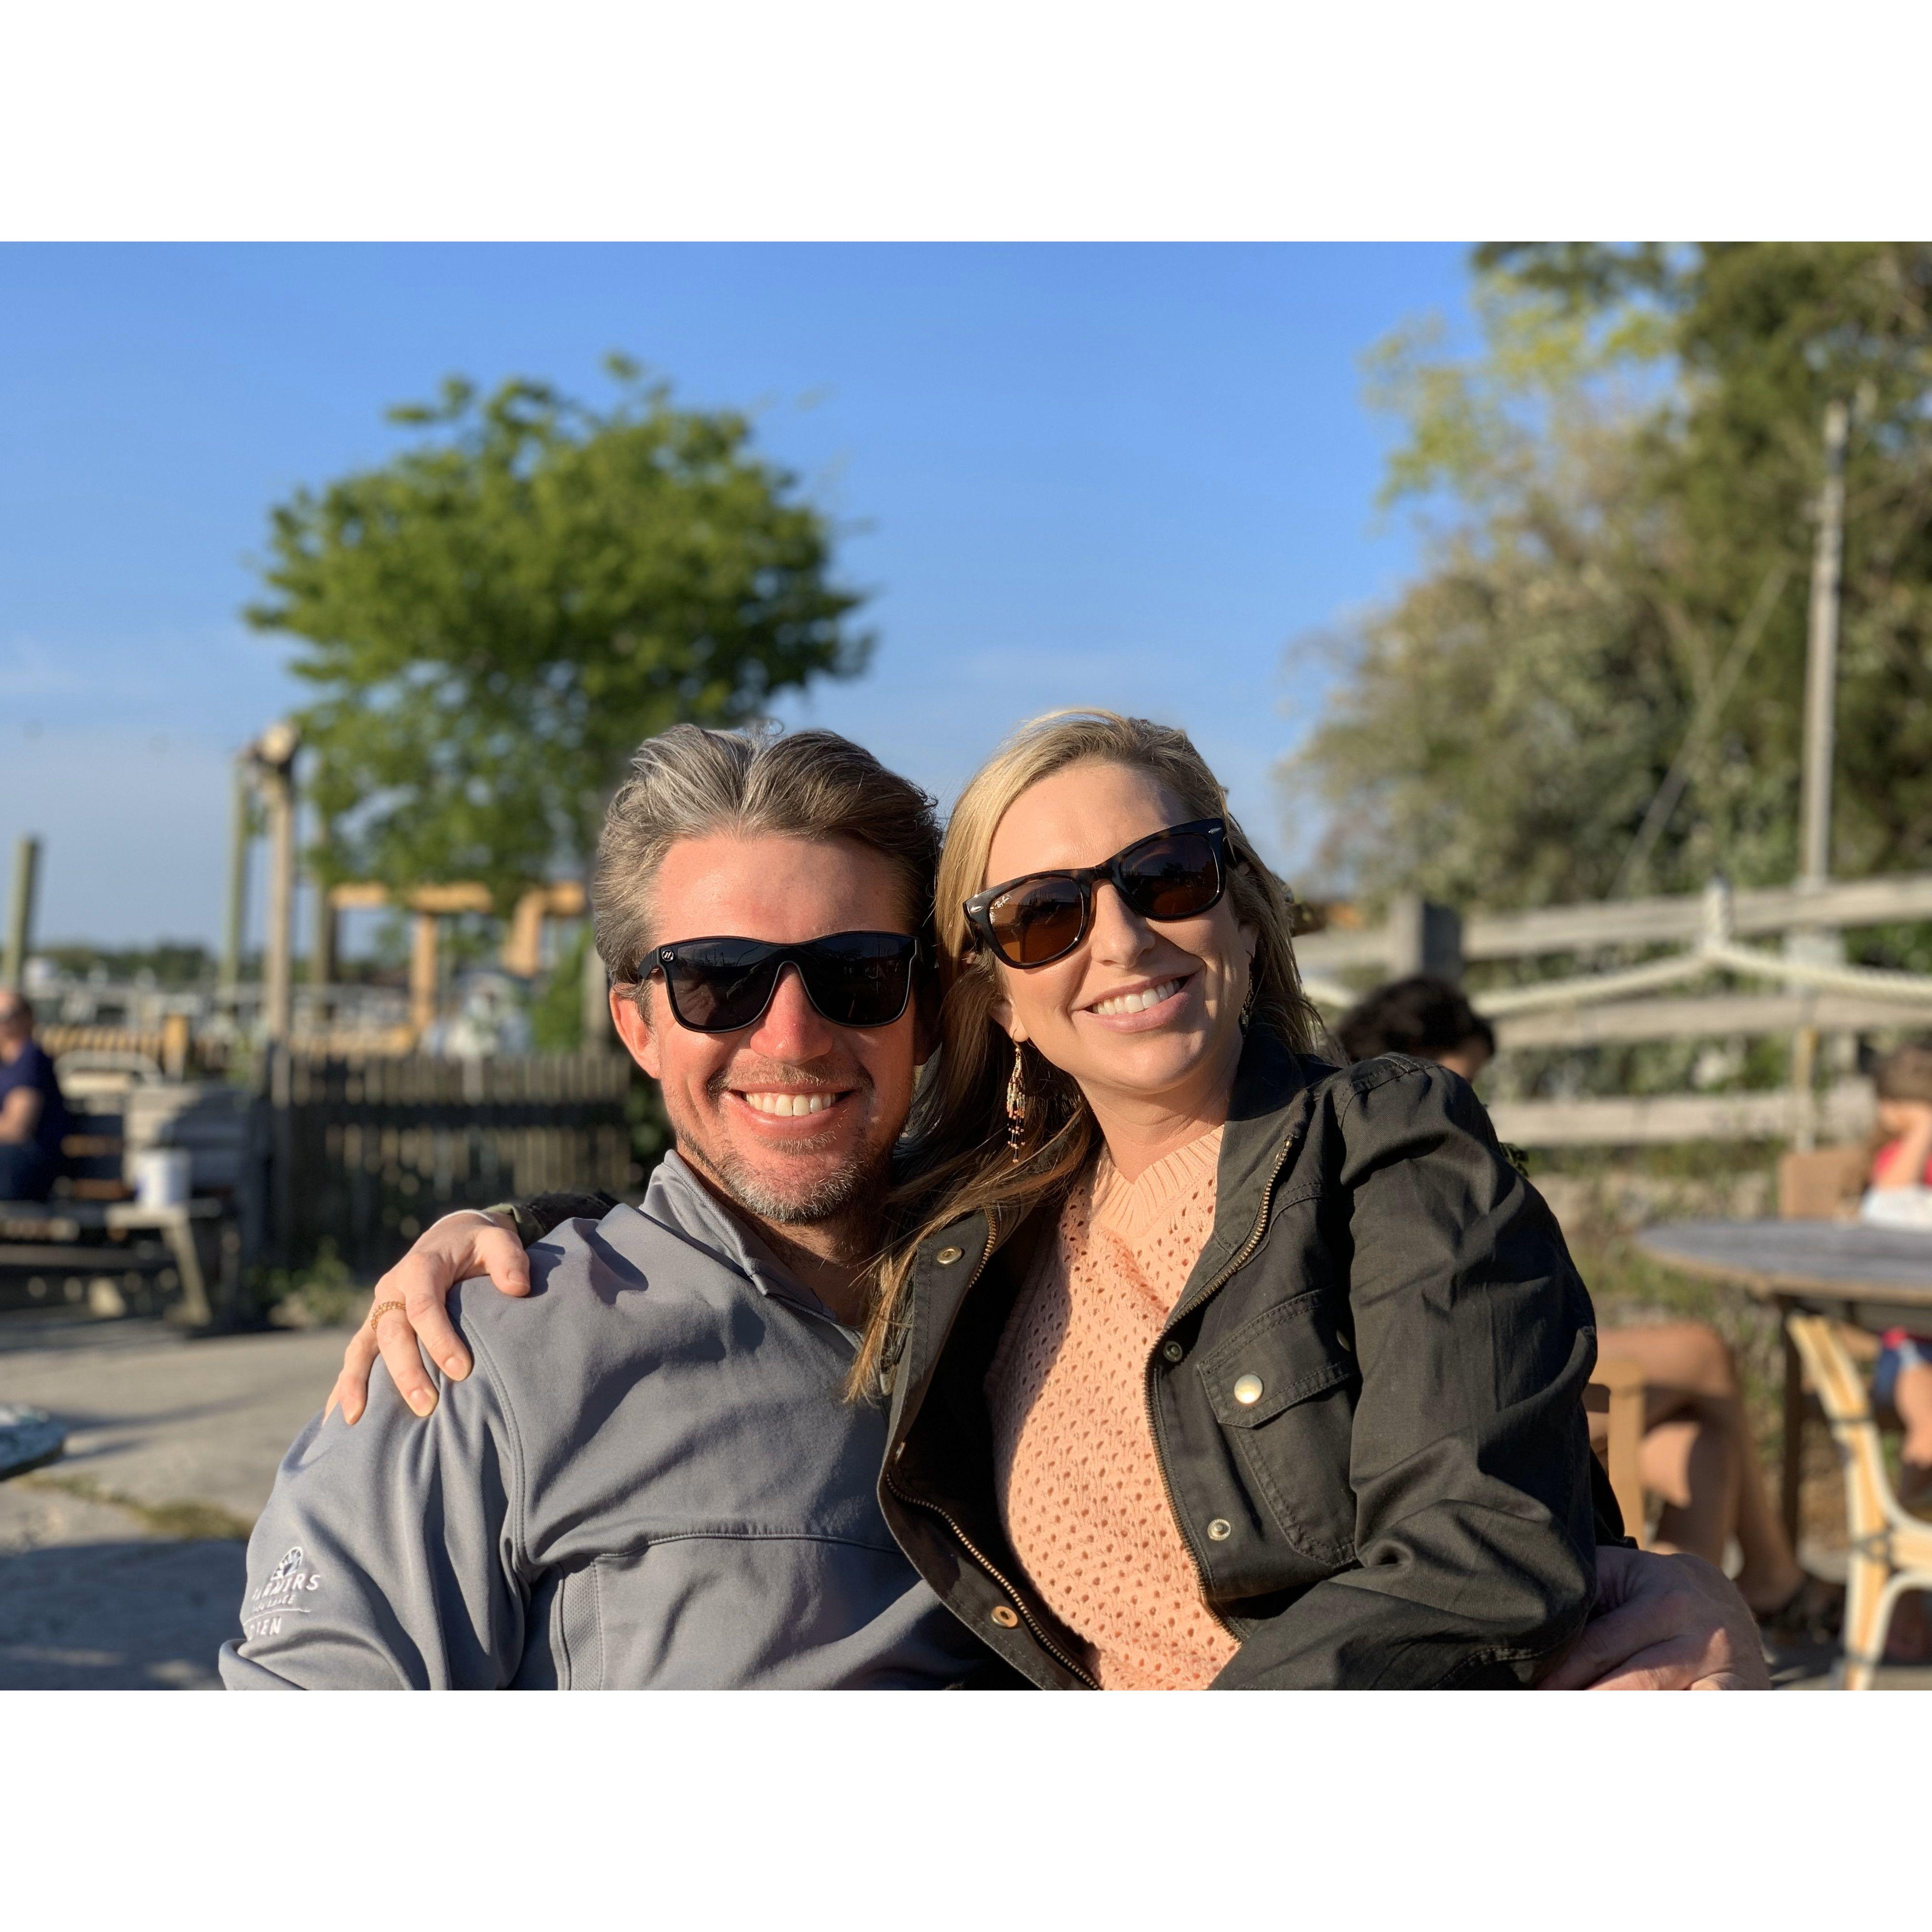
[{"x": 744, "y": 1076}]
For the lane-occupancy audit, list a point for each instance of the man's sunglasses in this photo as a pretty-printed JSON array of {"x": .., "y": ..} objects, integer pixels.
[
  {"x": 1036, "y": 920},
  {"x": 722, "y": 985}
]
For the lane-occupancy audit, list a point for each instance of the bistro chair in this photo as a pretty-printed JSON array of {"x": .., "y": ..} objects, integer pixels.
[{"x": 1891, "y": 1551}]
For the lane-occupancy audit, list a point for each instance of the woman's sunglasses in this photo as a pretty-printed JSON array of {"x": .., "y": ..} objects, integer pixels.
[
  {"x": 721, "y": 985},
  {"x": 1043, "y": 916}
]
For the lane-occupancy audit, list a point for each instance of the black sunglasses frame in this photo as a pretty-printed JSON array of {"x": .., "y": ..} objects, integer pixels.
[
  {"x": 978, "y": 908},
  {"x": 804, "y": 954}
]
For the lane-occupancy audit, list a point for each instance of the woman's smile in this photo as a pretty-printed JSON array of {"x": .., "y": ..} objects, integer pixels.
[{"x": 1144, "y": 1005}]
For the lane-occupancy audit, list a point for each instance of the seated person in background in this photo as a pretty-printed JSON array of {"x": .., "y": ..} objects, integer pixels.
[
  {"x": 33, "y": 1116},
  {"x": 1698, "y": 1455},
  {"x": 1901, "y": 1195},
  {"x": 1423, "y": 1016}
]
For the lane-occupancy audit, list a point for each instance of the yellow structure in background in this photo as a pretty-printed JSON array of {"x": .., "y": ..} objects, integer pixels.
[{"x": 428, "y": 905}]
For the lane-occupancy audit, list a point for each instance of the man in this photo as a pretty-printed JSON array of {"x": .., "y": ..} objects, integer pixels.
[
  {"x": 33, "y": 1116},
  {"x": 637, "y": 1469},
  {"x": 650, "y": 1479}
]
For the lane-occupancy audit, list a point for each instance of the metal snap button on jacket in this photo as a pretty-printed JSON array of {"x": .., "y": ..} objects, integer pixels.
[
  {"x": 1006, "y": 1618},
  {"x": 1173, "y": 1351},
  {"x": 1220, "y": 1530},
  {"x": 947, "y": 1257},
  {"x": 1248, "y": 1390}
]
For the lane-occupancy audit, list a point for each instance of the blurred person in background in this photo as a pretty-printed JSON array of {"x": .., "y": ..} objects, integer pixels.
[
  {"x": 1423, "y": 1016},
  {"x": 1901, "y": 1195},
  {"x": 33, "y": 1116},
  {"x": 1698, "y": 1456}
]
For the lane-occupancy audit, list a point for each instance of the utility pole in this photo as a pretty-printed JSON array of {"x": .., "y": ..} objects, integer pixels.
[
  {"x": 1821, "y": 682},
  {"x": 20, "y": 918},
  {"x": 1821, "y": 662}
]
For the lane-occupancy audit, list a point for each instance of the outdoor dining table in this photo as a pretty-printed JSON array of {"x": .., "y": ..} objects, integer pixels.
[{"x": 1873, "y": 1278}]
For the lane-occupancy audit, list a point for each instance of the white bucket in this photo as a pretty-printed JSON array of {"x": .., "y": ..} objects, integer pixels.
[{"x": 162, "y": 1177}]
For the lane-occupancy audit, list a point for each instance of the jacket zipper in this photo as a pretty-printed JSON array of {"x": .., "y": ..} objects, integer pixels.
[
  {"x": 1214, "y": 1288},
  {"x": 966, "y": 1543},
  {"x": 972, "y": 1549}
]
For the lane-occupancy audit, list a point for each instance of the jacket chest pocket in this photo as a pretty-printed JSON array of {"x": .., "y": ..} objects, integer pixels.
[{"x": 1282, "y": 1386}]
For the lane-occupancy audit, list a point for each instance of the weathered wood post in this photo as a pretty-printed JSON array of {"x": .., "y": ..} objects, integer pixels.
[
  {"x": 241, "y": 833},
  {"x": 273, "y": 755},
  {"x": 177, "y": 1045},
  {"x": 322, "y": 958},
  {"x": 20, "y": 913},
  {"x": 599, "y": 1035},
  {"x": 1424, "y": 937},
  {"x": 275, "y": 759},
  {"x": 424, "y": 963}
]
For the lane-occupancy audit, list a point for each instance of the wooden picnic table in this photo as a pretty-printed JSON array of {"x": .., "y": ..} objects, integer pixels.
[{"x": 1871, "y": 1277}]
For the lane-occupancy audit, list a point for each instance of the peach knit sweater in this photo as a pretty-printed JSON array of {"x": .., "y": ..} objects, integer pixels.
[{"x": 1079, "y": 1489}]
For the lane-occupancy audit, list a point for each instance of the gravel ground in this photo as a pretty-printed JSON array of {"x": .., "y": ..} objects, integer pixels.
[{"x": 121, "y": 1564}]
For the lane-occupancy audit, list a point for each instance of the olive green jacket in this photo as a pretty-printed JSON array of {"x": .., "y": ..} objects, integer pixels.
[{"x": 1367, "y": 1402}]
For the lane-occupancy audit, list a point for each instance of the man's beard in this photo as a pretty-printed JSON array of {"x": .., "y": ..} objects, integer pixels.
[{"x": 853, "y": 1193}]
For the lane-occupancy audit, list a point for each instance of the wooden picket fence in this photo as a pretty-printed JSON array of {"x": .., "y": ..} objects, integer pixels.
[{"x": 365, "y": 1152}]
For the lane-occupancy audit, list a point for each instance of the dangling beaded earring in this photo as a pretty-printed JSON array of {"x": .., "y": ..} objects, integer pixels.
[
  {"x": 1248, "y": 1004},
  {"x": 1016, "y": 1107}
]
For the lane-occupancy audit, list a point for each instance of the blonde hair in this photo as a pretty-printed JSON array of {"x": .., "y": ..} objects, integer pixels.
[{"x": 958, "y": 1161}]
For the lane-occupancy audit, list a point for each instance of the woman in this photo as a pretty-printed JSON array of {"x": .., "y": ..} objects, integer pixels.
[{"x": 1267, "y": 1375}]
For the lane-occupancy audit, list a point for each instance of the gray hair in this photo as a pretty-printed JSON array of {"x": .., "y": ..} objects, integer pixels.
[{"x": 690, "y": 781}]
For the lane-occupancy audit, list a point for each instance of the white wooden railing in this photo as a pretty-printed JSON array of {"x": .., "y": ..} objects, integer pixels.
[{"x": 1819, "y": 995}]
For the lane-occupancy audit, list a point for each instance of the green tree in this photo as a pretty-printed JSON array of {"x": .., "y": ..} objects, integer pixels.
[
  {"x": 1619, "y": 491},
  {"x": 492, "y": 619}
]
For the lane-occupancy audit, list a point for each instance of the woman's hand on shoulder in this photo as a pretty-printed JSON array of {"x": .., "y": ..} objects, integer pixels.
[{"x": 459, "y": 1246}]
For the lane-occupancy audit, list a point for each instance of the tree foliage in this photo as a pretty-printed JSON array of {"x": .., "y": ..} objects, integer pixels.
[
  {"x": 492, "y": 619},
  {"x": 1620, "y": 491}
]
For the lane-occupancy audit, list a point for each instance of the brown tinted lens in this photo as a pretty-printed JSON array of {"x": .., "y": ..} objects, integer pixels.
[
  {"x": 1035, "y": 921},
  {"x": 1173, "y": 878}
]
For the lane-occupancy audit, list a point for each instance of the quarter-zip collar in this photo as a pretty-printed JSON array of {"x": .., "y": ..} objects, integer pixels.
[{"x": 678, "y": 1202}]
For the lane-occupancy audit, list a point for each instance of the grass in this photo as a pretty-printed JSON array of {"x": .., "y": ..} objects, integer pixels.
[
  {"x": 181, "y": 1521},
  {"x": 325, "y": 1294}
]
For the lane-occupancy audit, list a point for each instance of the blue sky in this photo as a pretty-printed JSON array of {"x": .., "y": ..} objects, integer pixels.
[{"x": 1126, "y": 475}]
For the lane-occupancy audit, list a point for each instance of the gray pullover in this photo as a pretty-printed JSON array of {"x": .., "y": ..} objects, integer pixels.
[{"x": 648, "y": 1480}]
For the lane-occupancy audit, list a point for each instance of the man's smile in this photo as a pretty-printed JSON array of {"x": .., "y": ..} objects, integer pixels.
[{"x": 775, "y": 1103}]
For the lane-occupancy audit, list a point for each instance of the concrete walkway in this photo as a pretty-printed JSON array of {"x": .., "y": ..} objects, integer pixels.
[{"x": 121, "y": 1564}]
